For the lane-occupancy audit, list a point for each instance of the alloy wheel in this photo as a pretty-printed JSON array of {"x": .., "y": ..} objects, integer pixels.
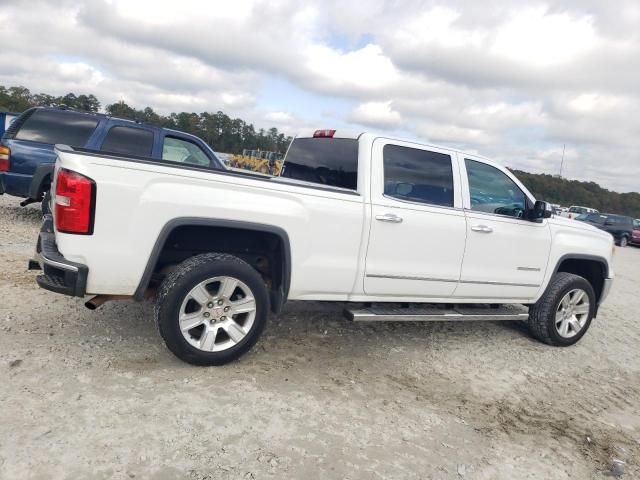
[
  {"x": 572, "y": 313},
  {"x": 217, "y": 314}
]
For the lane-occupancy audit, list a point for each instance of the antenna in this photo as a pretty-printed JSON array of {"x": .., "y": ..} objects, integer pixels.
[{"x": 562, "y": 161}]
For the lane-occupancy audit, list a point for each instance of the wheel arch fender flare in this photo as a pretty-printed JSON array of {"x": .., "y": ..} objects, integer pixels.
[
  {"x": 43, "y": 173},
  {"x": 577, "y": 256},
  {"x": 171, "y": 225}
]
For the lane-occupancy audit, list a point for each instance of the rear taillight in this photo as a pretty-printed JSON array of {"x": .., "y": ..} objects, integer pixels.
[
  {"x": 324, "y": 133},
  {"x": 74, "y": 202},
  {"x": 4, "y": 159}
]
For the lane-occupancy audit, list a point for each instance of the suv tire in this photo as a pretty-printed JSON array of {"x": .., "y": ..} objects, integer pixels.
[
  {"x": 211, "y": 309},
  {"x": 554, "y": 320},
  {"x": 624, "y": 241}
]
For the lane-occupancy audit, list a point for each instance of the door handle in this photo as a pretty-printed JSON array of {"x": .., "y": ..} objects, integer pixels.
[
  {"x": 481, "y": 229},
  {"x": 389, "y": 217}
]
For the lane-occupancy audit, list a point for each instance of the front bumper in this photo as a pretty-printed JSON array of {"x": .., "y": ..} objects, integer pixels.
[
  {"x": 58, "y": 274},
  {"x": 606, "y": 288}
]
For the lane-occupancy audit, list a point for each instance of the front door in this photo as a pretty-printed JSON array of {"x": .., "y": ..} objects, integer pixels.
[
  {"x": 417, "y": 235},
  {"x": 506, "y": 254}
]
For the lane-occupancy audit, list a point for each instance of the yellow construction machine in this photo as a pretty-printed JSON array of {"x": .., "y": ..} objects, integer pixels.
[{"x": 261, "y": 161}]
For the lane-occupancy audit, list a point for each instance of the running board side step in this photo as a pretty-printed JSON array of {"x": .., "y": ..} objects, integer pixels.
[{"x": 437, "y": 314}]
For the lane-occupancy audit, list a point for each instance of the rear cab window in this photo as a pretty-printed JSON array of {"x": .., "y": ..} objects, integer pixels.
[
  {"x": 326, "y": 161},
  {"x": 57, "y": 126},
  {"x": 129, "y": 141}
]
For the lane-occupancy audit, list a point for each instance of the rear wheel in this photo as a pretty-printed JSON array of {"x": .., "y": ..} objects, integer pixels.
[
  {"x": 564, "y": 312},
  {"x": 211, "y": 309}
]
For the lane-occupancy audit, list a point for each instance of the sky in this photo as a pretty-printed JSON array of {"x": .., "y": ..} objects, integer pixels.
[{"x": 510, "y": 80}]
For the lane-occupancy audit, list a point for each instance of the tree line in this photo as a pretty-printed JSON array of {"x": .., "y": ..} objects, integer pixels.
[
  {"x": 232, "y": 135},
  {"x": 221, "y": 132},
  {"x": 573, "y": 192}
]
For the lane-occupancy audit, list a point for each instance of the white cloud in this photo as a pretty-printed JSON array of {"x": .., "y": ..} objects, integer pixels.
[
  {"x": 376, "y": 114},
  {"x": 508, "y": 80},
  {"x": 533, "y": 36},
  {"x": 279, "y": 117}
]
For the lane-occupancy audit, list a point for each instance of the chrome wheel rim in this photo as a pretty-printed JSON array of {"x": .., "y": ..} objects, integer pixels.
[
  {"x": 217, "y": 314},
  {"x": 572, "y": 313}
]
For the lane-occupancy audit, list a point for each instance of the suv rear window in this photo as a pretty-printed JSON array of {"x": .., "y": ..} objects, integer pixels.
[
  {"x": 129, "y": 140},
  {"x": 327, "y": 161},
  {"x": 57, "y": 126}
]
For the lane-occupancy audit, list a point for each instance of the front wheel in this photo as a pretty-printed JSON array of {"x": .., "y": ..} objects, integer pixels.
[
  {"x": 564, "y": 312},
  {"x": 211, "y": 309}
]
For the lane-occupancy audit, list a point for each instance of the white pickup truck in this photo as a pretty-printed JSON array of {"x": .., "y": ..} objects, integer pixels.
[{"x": 395, "y": 229}]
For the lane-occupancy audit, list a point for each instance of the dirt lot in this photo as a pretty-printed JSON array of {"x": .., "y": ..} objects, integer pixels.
[{"x": 96, "y": 394}]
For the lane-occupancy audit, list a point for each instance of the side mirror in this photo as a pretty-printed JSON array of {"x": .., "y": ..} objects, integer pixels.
[{"x": 541, "y": 210}]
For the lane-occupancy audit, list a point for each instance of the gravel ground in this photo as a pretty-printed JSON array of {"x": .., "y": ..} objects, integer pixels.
[{"x": 96, "y": 394}]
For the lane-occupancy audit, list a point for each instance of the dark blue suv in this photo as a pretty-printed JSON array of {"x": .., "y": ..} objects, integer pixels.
[{"x": 27, "y": 152}]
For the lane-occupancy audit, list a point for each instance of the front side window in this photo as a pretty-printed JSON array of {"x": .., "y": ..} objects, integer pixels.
[
  {"x": 596, "y": 218},
  {"x": 418, "y": 175},
  {"x": 327, "y": 161},
  {"x": 129, "y": 140},
  {"x": 58, "y": 126},
  {"x": 184, "y": 151},
  {"x": 492, "y": 191}
]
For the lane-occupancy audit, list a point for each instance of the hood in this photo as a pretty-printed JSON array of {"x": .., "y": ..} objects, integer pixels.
[{"x": 577, "y": 224}]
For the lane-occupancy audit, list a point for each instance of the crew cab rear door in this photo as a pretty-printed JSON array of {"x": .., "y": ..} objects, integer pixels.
[
  {"x": 417, "y": 235},
  {"x": 506, "y": 254}
]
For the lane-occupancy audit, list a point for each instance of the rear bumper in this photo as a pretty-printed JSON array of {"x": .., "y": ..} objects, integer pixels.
[
  {"x": 15, "y": 184},
  {"x": 58, "y": 274}
]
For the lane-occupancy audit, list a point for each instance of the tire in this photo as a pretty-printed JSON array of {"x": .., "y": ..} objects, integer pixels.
[
  {"x": 222, "y": 335},
  {"x": 46, "y": 203},
  {"x": 624, "y": 241},
  {"x": 543, "y": 315}
]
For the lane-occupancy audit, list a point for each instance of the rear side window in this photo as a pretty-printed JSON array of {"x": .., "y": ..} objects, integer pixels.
[
  {"x": 129, "y": 140},
  {"x": 57, "y": 126},
  {"x": 596, "y": 218},
  {"x": 327, "y": 161},
  {"x": 418, "y": 175},
  {"x": 183, "y": 151}
]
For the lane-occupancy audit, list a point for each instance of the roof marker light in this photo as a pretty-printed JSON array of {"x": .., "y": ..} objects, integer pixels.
[{"x": 324, "y": 133}]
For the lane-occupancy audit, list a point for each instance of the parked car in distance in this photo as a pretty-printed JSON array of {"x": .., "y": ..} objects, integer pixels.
[
  {"x": 635, "y": 236},
  {"x": 386, "y": 225},
  {"x": 620, "y": 226},
  {"x": 27, "y": 152},
  {"x": 576, "y": 210}
]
